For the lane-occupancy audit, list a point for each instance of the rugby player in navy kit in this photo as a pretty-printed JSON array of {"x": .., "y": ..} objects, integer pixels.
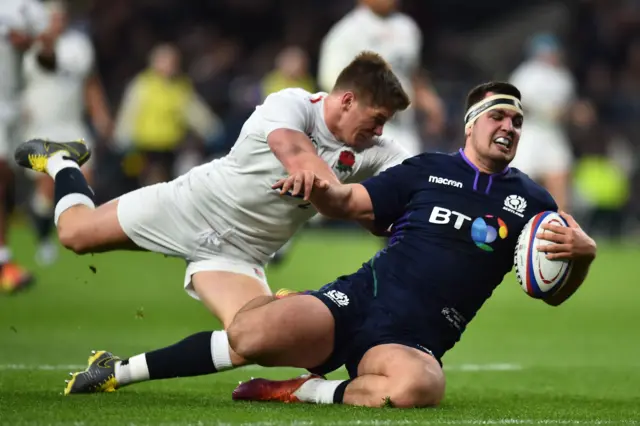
[{"x": 456, "y": 219}]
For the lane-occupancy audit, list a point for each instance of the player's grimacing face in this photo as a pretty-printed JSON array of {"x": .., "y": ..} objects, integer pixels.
[
  {"x": 496, "y": 133},
  {"x": 362, "y": 123}
]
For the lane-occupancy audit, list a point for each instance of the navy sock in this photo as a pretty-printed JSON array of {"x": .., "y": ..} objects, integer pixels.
[
  {"x": 70, "y": 180},
  {"x": 189, "y": 357},
  {"x": 338, "y": 396}
]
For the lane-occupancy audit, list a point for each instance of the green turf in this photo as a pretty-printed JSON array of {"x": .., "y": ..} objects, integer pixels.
[{"x": 577, "y": 364}]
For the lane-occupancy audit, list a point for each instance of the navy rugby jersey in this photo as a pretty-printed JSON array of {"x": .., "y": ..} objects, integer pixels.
[{"x": 453, "y": 239}]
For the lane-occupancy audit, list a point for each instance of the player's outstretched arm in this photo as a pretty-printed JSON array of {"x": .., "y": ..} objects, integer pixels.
[
  {"x": 336, "y": 201},
  {"x": 572, "y": 243},
  {"x": 296, "y": 153}
]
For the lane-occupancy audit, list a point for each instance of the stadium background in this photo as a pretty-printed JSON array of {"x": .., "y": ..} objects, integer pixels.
[{"x": 520, "y": 362}]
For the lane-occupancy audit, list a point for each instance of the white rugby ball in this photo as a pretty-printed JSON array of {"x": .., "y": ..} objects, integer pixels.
[{"x": 539, "y": 277}]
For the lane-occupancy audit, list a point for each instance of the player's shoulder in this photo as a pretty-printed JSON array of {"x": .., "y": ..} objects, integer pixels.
[
  {"x": 383, "y": 143},
  {"x": 531, "y": 190},
  {"x": 406, "y": 21},
  {"x": 429, "y": 160},
  {"x": 297, "y": 93},
  {"x": 434, "y": 157},
  {"x": 344, "y": 25}
]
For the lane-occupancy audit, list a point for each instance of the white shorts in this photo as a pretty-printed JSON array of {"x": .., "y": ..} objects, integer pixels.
[
  {"x": 161, "y": 218},
  {"x": 406, "y": 136},
  {"x": 543, "y": 150}
]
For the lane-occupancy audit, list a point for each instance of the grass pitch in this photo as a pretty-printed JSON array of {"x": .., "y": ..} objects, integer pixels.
[{"x": 520, "y": 361}]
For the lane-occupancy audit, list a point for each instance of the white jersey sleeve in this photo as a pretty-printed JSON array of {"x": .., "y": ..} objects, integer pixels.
[{"x": 286, "y": 109}]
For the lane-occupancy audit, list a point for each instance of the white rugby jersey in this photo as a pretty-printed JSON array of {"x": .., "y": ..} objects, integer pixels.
[
  {"x": 234, "y": 193},
  {"x": 397, "y": 38},
  {"x": 54, "y": 102},
  {"x": 546, "y": 90},
  {"x": 27, "y": 16}
]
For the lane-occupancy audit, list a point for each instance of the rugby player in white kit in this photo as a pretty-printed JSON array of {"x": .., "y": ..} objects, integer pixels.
[
  {"x": 60, "y": 86},
  {"x": 223, "y": 217},
  {"x": 378, "y": 26}
]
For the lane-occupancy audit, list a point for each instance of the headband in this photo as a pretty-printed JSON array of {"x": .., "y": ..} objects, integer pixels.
[{"x": 492, "y": 102}]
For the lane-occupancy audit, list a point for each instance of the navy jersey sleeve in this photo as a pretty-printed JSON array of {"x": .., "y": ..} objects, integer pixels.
[{"x": 392, "y": 190}]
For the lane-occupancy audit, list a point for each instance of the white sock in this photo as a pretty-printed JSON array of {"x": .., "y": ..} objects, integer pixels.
[
  {"x": 56, "y": 162},
  {"x": 5, "y": 254},
  {"x": 220, "y": 351},
  {"x": 318, "y": 391},
  {"x": 132, "y": 370},
  {"x": 69, "y": 201}
]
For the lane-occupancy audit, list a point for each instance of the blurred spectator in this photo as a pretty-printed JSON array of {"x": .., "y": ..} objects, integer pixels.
[
  {"x": 600, "y": 181},
  {"x": 21, "y": 21},
  {"x": 291, "y": 70},
  {"x": 377, "y": 25},
  {"x": 548, "y": 90},
  {"x": 159, "y": 107},
  {"x": 60, "y": 84}
]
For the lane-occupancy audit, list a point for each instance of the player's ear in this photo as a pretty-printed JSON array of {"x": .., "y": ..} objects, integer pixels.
[
  {"x": 347, "y": 100},
  {"x": 467, "y": 131}
]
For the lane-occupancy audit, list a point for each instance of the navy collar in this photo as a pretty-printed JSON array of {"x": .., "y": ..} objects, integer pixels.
[{"x": 478, "y": 172}]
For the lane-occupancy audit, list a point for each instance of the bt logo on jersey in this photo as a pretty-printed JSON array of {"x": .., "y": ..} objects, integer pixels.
[
  {"x": 484, "y": 230},
  {"x": 442, "y": 216}
]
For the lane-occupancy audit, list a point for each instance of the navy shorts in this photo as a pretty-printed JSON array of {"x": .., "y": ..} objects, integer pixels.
[{"x": 361, "y": 322}]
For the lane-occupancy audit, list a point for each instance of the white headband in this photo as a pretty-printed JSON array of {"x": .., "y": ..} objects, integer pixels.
[{"x": 492, "y": 102}]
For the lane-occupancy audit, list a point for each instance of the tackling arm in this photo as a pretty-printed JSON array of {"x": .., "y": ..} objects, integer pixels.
[
  {"x": 344, "y": 202},
  {"x": 296, "y": 152}
]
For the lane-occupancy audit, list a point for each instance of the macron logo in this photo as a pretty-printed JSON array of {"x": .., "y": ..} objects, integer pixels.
[{"x": 445, "y": 181}]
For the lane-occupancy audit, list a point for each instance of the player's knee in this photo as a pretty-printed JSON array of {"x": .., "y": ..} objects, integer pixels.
[
  {"x": 419, "y": 390},
  {"x": 246, "y": 338}
]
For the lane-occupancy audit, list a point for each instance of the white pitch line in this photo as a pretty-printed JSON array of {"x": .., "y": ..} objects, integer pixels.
[
  {"x": 468, "y": 422},
  {"x": 78, "y": 367}
]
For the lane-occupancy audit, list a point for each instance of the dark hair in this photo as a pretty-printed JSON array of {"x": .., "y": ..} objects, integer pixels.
[
  {"x": 370, "y": 77},
  {"x": 479, "y": 92}
]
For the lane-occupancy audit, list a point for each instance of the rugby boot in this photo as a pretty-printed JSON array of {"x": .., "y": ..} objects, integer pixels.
[
  {"x": 35, "y": 153},
  {"x": 271, "y": 390},
  {"x": 99, "y": 376}
]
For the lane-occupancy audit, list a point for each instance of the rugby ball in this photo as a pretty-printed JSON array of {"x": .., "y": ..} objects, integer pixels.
[{"x": 539, "y": 277}]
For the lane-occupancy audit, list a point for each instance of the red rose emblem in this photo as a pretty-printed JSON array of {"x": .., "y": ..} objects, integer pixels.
[{"x": 346, "y": 161}]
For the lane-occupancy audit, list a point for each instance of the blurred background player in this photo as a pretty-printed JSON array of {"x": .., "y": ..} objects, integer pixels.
[
  {"x": 377, "y": 25},
  {"x": 21, "y": 21},
  {"x": 159, "y": 108},
  {"x": 60, "y": 84},
  {"x": 548, "y": 89}
]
